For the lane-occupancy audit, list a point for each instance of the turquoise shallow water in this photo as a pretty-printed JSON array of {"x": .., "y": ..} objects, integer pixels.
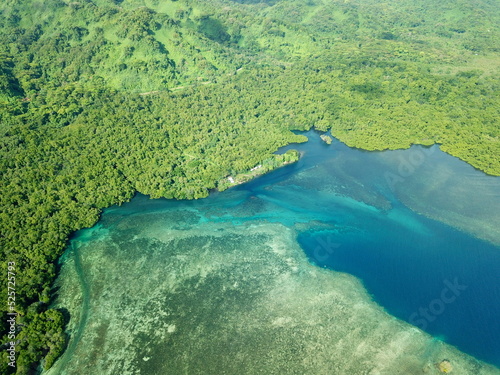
[{"x": 352, "y": 211}]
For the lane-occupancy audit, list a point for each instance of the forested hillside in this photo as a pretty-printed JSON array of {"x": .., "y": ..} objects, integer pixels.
[{"x": 101, "y": 99}]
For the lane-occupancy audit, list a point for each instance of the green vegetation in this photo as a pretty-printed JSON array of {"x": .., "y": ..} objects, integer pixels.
[
  {"x": 267, "y": 165},
  {"x": 101, "y": 99}
]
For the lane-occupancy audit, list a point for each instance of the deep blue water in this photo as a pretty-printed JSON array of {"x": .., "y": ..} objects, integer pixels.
[
  {"x": 410, "y": 273},
  {"x": 350, "y": 210}
]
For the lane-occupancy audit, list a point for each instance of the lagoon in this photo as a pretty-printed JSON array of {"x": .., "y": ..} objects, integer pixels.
[{"x": 323, "y": 259}]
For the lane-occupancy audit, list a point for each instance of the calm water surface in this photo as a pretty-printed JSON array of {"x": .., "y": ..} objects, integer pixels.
[
  {"x": 356, "y": 212},
  {"x": 441, "y": 279}
]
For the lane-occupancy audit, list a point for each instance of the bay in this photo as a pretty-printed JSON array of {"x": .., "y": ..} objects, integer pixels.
[{"x": 417, "y": 228}]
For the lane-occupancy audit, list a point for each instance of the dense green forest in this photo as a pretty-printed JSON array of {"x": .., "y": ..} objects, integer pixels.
[{"x": 101, "y": 99}]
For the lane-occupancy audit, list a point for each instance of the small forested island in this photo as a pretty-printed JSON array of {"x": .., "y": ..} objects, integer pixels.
[
  {"x": 102, "y": 99},
  {"x": 326, "y": 138}
]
